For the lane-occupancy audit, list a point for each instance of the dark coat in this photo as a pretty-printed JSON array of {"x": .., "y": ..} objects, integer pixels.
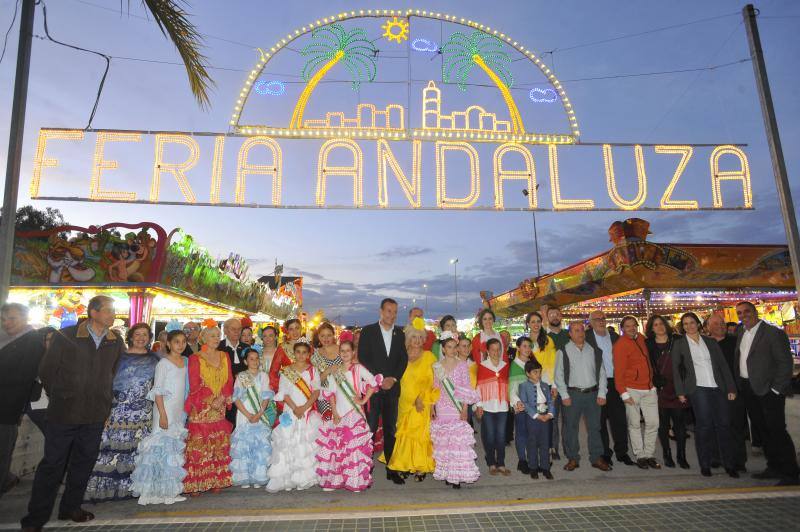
[
  {"x": 19, "y": 366},
  {"x": 78, "y": 376},
  {"x": 662, "y": 365},
  {"x": 237, "y": 367},
  {"x": 686, "y": 384},
  {"x": 769, "y": 362},
  {"x": 372, "y": 353}
]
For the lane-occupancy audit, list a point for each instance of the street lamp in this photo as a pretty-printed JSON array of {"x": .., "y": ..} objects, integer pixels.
[
  {"x": 454, "y": 262},
  {"x": 425, "y": 286},
  {"x": 525, "y": 193}
]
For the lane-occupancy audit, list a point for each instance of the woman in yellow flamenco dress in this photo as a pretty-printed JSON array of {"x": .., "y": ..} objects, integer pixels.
[{"x": 413, "y": 448}]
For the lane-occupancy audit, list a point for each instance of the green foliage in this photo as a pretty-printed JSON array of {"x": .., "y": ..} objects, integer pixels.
[
  {"x": 29, "y": 218},
  {"x": 359, "y": 52},
  {"x": 458, "y": 57}
]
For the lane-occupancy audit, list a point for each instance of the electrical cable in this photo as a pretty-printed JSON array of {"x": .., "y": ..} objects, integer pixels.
[
  {"x": 107, "y": 59},
  {"x": 10, "y": 26}
]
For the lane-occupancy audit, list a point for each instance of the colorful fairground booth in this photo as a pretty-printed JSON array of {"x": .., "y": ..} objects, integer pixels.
[
  {"x": 640, "y": 277},
  {"x": 151, "y": 275}
]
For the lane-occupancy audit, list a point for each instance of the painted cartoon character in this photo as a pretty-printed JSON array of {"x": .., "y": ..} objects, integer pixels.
[
  {"x": 118, "y": 269},
  {"x": 66, "y": 263},
  {"x": 69, "y": 307}
]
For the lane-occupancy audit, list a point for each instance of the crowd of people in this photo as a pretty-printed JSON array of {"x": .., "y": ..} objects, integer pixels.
[{"x": 208, "y": 408}]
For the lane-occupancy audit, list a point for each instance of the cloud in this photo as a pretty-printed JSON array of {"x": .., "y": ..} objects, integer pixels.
[{"x": 404, "y": 251}]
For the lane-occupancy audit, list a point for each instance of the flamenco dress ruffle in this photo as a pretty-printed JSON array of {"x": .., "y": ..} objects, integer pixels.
[
  {"x": 251, "y": 452},
  {"x": 345, "y": 454},
  {"x": 413, "y": 450},
  {"x": 294, "y": 453},
  {"x": 454, "y": 451},
  {"x": 208, "y": 456},
  {"x": 159, "y": 473}
]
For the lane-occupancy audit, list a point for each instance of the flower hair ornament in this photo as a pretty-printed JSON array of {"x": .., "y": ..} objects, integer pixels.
[
  {"x": 418, "y": 324},
  {"x": 209, "y": 323},
  {"x": 447, "y": 335},
  {"x": 173, "y": 325}
]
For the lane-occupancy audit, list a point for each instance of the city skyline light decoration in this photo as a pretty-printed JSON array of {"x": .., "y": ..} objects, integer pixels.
[{"x": 448, "y": 129}]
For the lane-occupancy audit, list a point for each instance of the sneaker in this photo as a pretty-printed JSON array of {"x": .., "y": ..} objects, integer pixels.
[
  {"x": 256, "y": 486},
  {"x": 244, "y": 486},
  {"x": 327, "y": 489}
]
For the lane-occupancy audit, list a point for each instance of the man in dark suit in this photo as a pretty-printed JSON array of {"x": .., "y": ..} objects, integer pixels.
[
  {"x": 764, "y": 371},
  {"x": 382, "y": 350},
  {"x": 613, "y": 412},
  {"x": 232, "y": 331}
]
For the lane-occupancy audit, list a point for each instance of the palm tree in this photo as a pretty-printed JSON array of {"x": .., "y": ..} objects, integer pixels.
[
  {"x": 174, "y": 23},
  {"x": 462, "y": 52},
  {"x": 330, "y": 45}
]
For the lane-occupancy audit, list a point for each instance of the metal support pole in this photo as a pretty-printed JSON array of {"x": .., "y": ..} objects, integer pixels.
[
  {"x": 11, "y": 189},
  {"x": 774, "y": 140}
]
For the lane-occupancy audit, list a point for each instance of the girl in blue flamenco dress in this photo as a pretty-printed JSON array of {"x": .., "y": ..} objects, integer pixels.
[
  {"x": 159, "y": 473},
  {"x": 250, "y": 443}
]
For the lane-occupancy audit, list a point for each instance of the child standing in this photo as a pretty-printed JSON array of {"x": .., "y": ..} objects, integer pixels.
[
  {"x": 294, "y": 463},
  {"x": 345, "y": 442},
  {"x": 453, "y": 438},
  {"x": 158, "y": 474},
  {"x": 516, "y": 376},
  {"x": 539, "y": 410},
  {"x": 250, "y": 442}
]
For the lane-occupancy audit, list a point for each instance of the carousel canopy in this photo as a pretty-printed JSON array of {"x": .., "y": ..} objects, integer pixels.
[{"x": 636, "y": 274}]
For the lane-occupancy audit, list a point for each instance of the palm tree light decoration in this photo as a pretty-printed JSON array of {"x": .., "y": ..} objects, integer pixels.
[
  {"x": 330, "y": 45},
  {"x": 461, "y": 52}
]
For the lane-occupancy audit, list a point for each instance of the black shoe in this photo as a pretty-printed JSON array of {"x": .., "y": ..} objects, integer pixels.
[
  {"x": 705, "y": 471},
  {"x": 789, "y": 481},
  {"x": 653, "y": 464},
  {"x": 607, "y": 459},
  {"x": 668, "y": 461},
  {"x": 522, "y": 467},
  {"x": 554, "y": 454},
  {"x": 456, "y": 486},
  {"x": 535, "y": 475},
  {"x": 395, "y": 477},
  {"x": 767, "y": 474},
  {"x": 732, "y": 472},
  {"x": 716, "y": 465},
  {"x": 79, "y": 516},
  {"x": 625, "y": 459},
  {"x": 547, "y": 474},
  {"x": 642, "y": 463}
]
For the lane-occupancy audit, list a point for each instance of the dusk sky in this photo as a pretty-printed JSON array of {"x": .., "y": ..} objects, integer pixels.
[{"x": 349, "y": 259}]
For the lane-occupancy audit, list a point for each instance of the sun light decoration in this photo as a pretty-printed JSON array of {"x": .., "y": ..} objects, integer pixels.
[{"x": 396, "y": 29}]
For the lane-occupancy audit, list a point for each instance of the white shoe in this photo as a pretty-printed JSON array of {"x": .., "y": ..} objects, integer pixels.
[
  {"x": 178, "y": 499},
  {"x": 328, "y": 489},
  {"x": 257, "y": 486},
  {"x": 245, "y": 486}
]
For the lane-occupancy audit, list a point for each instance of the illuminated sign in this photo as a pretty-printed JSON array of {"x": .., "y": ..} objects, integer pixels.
[{"x": 452, "y": 137}]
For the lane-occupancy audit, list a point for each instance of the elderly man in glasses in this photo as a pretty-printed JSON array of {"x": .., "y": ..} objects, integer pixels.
[{"x": 192, "y": 331}]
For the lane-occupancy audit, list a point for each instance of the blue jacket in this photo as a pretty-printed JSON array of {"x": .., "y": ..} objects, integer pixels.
[{"x": 527, "y": 394}]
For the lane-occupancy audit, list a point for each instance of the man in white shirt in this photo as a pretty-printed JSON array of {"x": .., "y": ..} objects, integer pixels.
[
  {"x": 764, "y": 370},
  {"x": 581, "y": 381}
]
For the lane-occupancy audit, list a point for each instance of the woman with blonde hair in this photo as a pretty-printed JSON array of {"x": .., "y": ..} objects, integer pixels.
[
  {"x": 413, "y": 448},
  {"x": 210, "y": 392}
]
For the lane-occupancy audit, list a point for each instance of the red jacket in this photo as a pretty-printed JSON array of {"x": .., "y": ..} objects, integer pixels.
[{"x": 632, "y": 367}]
